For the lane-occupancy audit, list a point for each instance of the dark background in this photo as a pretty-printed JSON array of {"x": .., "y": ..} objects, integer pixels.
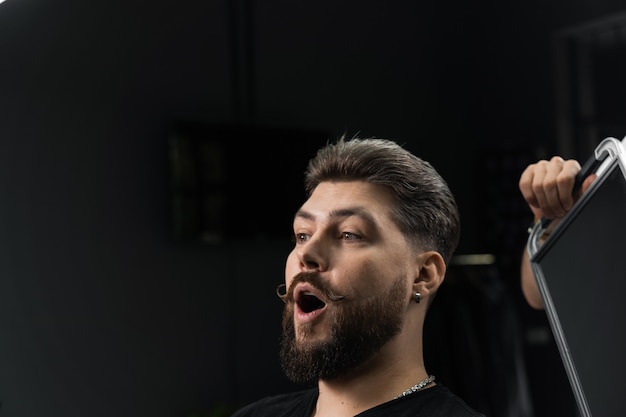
[{"x": 109, "y": 307}]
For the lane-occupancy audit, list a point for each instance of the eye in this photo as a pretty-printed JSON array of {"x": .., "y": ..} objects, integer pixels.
[
  {"x": 350, "y": 236},
  {"x": 300, "y": 237}
]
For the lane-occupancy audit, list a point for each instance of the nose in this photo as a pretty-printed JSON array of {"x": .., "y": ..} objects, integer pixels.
[{"x": 312, "y": 255}]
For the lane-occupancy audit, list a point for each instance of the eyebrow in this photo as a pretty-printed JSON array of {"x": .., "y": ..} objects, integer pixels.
[{"x": 343, "y": 212}]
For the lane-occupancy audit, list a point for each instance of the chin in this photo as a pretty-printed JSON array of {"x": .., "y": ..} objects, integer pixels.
[{"x": 305, "y": 338}]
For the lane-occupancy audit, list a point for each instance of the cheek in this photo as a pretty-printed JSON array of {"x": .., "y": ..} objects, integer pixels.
[
  {"x": 373, "y": 278},
  {"x": 291, "y": 267}
]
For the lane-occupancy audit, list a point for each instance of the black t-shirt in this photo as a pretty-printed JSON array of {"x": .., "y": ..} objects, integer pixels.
[{"x": 437, "y": 401}]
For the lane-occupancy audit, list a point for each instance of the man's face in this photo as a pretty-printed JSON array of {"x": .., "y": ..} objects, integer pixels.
[{"x": 349, "y": 280}]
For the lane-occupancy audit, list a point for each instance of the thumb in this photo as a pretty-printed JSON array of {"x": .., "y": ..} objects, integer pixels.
[{"x": 588, "y": 182}]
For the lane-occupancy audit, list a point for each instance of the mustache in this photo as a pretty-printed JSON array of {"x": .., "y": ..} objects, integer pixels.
[{"x": 312, "y": 278}]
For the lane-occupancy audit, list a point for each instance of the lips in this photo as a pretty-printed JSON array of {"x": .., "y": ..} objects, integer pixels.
[{"x": 309, "y": 302}]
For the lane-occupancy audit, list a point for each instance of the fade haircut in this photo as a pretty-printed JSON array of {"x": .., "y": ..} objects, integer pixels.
[{"x": 425, "y": 209}]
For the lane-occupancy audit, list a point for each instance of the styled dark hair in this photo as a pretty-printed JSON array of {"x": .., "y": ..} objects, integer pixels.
[{"x": 425, "y": 211}]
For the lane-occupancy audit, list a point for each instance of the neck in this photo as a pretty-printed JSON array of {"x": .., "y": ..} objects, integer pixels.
[{"x": 377, "y": 381}]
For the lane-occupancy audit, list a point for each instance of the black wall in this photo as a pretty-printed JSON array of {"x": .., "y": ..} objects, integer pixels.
[{"x": 102, "y": 311}]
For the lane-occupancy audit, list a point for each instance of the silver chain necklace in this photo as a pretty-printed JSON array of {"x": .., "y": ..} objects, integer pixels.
[{"x": 417, "y": 386}]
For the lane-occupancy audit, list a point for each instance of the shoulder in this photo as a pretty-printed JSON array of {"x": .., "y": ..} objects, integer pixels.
[
  {"x": 435, "y": 401},
  {"x": 288, "y": 404},
  {"x": 456, "y": 405}
]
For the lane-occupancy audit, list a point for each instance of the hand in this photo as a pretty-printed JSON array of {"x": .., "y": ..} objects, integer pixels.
[{"x": 547, "y": 186}]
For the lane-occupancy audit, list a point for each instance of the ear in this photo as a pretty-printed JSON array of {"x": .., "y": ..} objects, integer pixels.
[{"x": 431, "y": 269}]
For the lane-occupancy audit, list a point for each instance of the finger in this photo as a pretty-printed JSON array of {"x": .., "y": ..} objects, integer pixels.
[
  {"x": 565, "y": 180},
  {"x": 525, "y": 184},
  {"x": 545, "y": 188},
  {"x": 591, "y": 178},
  {"x": 530, "y": 185}
]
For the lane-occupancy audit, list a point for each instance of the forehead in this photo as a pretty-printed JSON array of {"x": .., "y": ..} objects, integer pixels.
[{"x": 370, "y": 200}]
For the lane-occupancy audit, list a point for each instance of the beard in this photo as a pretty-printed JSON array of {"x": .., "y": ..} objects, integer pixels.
[{"x": 358, "y": 330}]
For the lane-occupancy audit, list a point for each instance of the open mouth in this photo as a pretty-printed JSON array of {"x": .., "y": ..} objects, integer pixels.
[{"x": 308, "y": 300}]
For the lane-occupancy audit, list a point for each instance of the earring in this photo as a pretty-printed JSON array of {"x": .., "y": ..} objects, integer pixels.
[{"x": 418, "y": 297}]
